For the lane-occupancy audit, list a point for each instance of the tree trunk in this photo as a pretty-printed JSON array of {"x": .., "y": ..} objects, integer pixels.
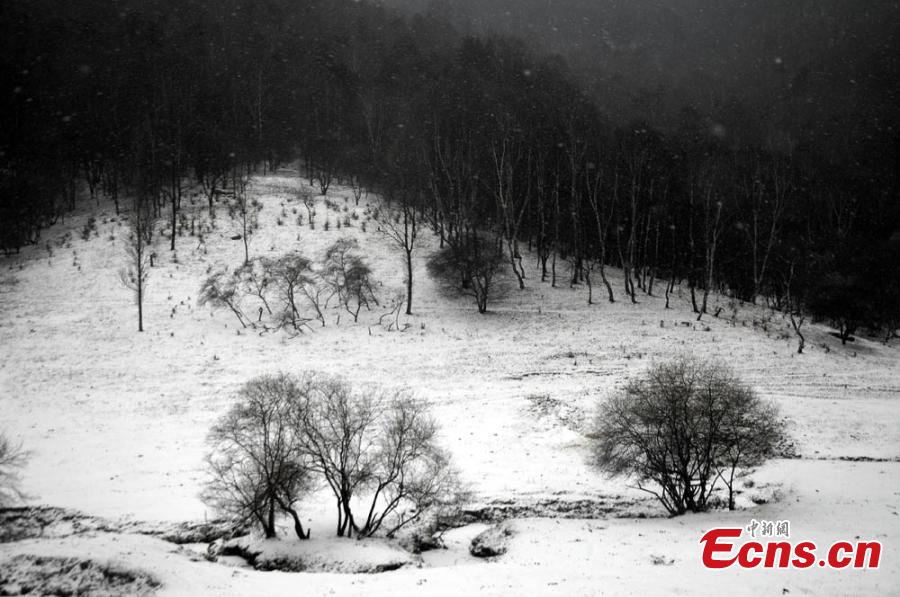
[
  {"x": 409, "y": 282},
  {"x": 246, "y": 246},
  {"x": 298, "y": 526},
  {"x": 606, "y": 283},
  {"x": 553, "y": 271},
  {"x": 174, "y": 223},
  {"x": 270, "y": 521},
  {"x": 587, "y": 279},
  {"x": 797, "y": 324},
  {"x": 140, "y": 302}
]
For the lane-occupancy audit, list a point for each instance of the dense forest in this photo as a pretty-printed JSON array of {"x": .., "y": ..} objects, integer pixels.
[
  {"x": 490, "y": 141},
  {"x": 769, "y": 72}
]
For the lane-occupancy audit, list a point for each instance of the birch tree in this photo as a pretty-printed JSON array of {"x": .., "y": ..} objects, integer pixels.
[{"x": 138, "y": 256}]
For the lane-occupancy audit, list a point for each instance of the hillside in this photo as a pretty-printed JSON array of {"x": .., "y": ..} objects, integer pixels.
[{"x": 116, "y": 420}]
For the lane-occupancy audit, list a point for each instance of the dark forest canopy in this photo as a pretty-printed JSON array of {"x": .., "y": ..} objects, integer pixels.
[
  {"x": 767, "y": 72},
  {"x": 793, "y": 201}
]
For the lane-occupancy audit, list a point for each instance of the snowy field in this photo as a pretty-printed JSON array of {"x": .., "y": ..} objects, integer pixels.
[{"x": 116, "y": 421}]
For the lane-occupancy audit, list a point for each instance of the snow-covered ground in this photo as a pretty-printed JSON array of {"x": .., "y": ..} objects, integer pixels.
[{"x": 116, "y": 420}]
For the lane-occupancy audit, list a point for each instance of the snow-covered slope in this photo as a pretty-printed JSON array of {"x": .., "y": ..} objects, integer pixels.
[{"x": 116, "y": 420}]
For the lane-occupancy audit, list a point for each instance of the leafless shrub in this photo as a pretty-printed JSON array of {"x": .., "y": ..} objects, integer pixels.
[
  {"x": 293, "y": 290},
  {"x": 683, "y": 427},
  {"x": 221, "y": 290},
  {"x": 302, "y": 293},
  {"x": 256, "y": 465},
  {"x": 391, "y": 318},
  {"x": 90, "y": 229},
  {"x": 349, "y": 276},
  {"x": 469, "y": 267},
  {"x": 12, "y": 459},
  {"x": 256, "y": 279}
]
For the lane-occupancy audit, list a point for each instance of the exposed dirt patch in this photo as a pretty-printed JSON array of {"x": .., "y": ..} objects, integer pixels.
[
  {"x": 587, "y": 508},
  {"x": 182, "y": 533},
  {"x": 17, "y": 524},
  {"x": 545, "y": 406},
  {"x": 344, "y": 556},
  {"x": 571, "y": 354},
  {"x": 860, "y": 459},
  {"x": 36, "y": 575}
]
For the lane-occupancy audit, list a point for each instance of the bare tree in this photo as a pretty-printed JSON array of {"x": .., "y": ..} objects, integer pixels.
[
  {"x": 12, "y": 459},
  {"x": 210, "y": 180},
  {"x": 797, "y": 320},
  {"x": 310, "y": 204},
  {"x": 507, "y": 153},
  {"x": 795, "y": 304},
  {"x": 336, "y": 425},
  {"x": 256, "y": 465},
  {"x": 766, "y": 189},
  {"x": 93, "y": 167},
  {"x": 410, "y": 473},
  {"x": 602, "y": 217},
  {"x": 708, "y": 186},
  {"x": 356, "y": 185},
  {"x": 638, "y": 163},
  {"x": 111, "y": 184},
  {"x": 244, "y": 208},
  {"x": 374, "y": 448},
  {"x": 138, "y": 257},
  {"x": 681, "y": 428},
  {"x": 325, "y": 174},
  {"x": 401, "y": 228}
]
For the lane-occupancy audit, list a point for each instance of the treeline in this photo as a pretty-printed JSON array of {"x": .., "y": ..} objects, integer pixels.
[
  {"x": 493, "y": 147},
  {"x": 809, "y": 71}
]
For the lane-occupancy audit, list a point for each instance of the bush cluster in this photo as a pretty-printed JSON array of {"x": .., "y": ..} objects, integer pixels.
[
  {"x": 293, "y": 291},
  {"x": 370, "y": 447}
]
